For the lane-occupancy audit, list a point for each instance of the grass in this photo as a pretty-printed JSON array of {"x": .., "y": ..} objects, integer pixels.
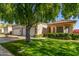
[{"x": 47, "y": 47}]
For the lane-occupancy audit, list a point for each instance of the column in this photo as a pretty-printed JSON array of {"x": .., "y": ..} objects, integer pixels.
[
  {"x": 51, "y": 30},
  {"x": 63, "y": 29},
  {"x": 70, "y": 29},
  {"x": 55, "y": 29}
]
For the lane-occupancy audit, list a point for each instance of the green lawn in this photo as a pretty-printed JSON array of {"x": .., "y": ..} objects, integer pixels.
[{"x": 41, "y": 47}]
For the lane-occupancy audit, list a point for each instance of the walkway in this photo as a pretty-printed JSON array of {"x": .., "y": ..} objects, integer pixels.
[
  {"x": 4, "y": 52},
  {"x": 3, "y": 39}
]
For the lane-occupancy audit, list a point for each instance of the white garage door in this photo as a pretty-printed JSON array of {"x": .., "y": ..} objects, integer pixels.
[{"x": 17, "y": 32}]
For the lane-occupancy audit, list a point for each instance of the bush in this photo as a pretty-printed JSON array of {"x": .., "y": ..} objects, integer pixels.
[
  {"x": 68, "y": 37},
  {"x": 65, "y": 36},
  {"x": 74, "y": 36}
]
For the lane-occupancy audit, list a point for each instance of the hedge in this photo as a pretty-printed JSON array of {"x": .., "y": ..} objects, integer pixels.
[{"x": 65, "y": 36}]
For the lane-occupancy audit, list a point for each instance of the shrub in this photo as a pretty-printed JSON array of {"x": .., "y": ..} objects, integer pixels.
[
  {"x": 65, "y": 36},
  {"x": 68, "y": 37},
  {"x": 74, "y": 36}
]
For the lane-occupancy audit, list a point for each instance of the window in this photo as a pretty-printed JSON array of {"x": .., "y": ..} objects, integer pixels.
[{"x": 59, "y": 29}]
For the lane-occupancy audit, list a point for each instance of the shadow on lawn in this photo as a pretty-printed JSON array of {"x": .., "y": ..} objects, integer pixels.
[{"x": 42, "y": 48}]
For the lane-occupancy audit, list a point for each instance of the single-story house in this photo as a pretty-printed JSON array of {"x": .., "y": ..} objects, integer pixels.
[
  {"x": 61, "y": 26},
  {"x": 42, "y": 28}
]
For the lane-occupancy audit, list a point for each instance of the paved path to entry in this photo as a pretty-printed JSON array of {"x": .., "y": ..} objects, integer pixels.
[{"x": 4, "y": 52}]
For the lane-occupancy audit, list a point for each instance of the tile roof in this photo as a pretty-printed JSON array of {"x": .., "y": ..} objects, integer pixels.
[{"x": 63, "y": 21}]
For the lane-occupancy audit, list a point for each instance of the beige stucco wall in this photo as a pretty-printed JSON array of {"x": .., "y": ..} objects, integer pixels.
[
  {"x": 2, "y": 30},
  {"x": 9, "y": 29},
  {"x": 24, "y": 31},
  {"x": 40, "y": 28}
]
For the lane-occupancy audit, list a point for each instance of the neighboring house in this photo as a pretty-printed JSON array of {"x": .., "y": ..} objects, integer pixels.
[
  {"x": 61, "y": 26},
  {"x": 76, "y": 31}
]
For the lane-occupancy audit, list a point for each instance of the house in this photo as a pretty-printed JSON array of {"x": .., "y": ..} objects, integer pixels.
[
  {"x": 42, "y": 28},
  {"x": 61, "y": 26}
]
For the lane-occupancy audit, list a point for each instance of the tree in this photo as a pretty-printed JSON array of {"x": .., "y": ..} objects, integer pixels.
[
  {"x": 31, "y": 13},
  {"x": 70, "y": 9},
  {"x": 28, "y": 14}
]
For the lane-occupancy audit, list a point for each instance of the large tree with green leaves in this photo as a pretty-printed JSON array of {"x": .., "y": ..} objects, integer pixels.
[
  {"x": 28, "y": 14},
  {"x": 70, "y": 9}
]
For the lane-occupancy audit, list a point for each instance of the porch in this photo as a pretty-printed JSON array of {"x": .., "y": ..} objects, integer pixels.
[{"x": 61, "y": 27}]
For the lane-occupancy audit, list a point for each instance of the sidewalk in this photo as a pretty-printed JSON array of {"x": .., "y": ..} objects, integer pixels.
[{"x": 4, "y": 52}]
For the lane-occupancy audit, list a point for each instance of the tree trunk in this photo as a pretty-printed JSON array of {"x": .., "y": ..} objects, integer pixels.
[{"x": 28, "y": 34}]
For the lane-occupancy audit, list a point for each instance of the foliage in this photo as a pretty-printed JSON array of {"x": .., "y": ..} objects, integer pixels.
[
  {"x": 70, "y": 9},
  {"x": 75, "y": 36},
  {"x": 47, "y": 47},
  {"x": 65, "y": 36},
  {"x": 28, "y": 14}
]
